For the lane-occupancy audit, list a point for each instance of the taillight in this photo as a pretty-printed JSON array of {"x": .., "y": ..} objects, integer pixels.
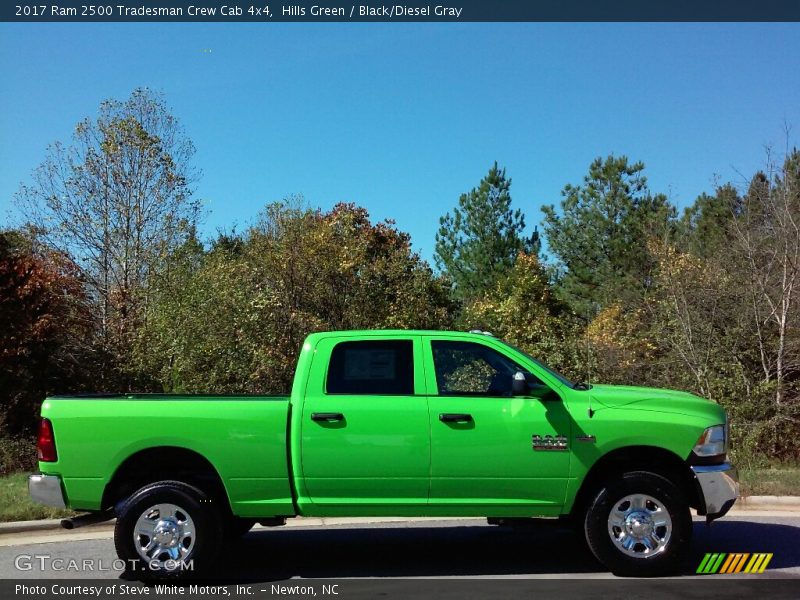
[{"x": 46, "y": 444}]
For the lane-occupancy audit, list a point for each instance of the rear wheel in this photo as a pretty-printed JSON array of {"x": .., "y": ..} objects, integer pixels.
[
  {"x": 639, "y": 525},
  {"x": 167, "y": 529}
]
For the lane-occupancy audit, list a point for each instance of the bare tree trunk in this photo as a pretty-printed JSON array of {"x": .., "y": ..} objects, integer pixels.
[{"x": 769, "y": 240}]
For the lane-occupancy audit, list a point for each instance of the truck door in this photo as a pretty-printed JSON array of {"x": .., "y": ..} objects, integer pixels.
[
  {"x": 489, "y": 448},
  {"x": 365, "y": 438}
]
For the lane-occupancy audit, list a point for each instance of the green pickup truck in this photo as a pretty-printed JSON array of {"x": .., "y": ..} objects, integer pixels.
[{"x": 402, "y": 423}]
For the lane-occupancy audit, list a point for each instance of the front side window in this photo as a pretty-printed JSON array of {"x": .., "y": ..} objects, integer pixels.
[
  {"x": 372, "y": 367},
  {"x": 469, "y": 369},
  {"x": 550, "y": 370}
]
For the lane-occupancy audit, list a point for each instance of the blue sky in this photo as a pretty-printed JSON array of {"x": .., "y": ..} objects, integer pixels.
[{"x": 402, "y": 118}]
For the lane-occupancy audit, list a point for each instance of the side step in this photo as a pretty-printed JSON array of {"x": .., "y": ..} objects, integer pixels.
[
  {"x": 523, "y": 522},
  {"x": 87, "y": 519}
]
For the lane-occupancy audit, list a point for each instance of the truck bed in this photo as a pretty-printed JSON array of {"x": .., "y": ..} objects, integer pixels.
[{"x": 243, "y": 436}]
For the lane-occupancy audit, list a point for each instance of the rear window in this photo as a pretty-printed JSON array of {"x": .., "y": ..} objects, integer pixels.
[{"x": 372, "y": 367}]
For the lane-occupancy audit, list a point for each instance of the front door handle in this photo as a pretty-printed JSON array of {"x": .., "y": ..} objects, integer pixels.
[
  {"x": 327, "y": 417},
  {"x": 455, "y": 418}
]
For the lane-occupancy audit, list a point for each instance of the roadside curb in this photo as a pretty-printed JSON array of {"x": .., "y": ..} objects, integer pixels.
[
  {"x": 744, "y": 503},
  {"x": 785, "y": 502},
  {"x": 43, "y": 525}
]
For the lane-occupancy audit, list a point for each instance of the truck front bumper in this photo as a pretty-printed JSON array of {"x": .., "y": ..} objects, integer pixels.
[
  {"x": 718, "y": 488},
  {"x": 47, "y": 490}
]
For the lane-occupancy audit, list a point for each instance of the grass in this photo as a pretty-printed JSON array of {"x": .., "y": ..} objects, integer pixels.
[
  {"x": 15, "y": 505},
  {"x": 773, "y": 481}
]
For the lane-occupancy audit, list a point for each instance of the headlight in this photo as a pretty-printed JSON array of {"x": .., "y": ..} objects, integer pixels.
[{"x": 712, "y": 446}]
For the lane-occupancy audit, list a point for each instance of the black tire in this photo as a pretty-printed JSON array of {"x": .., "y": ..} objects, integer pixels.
[
  {"x": 664, "y": 559},
  {"x": 203, "y": 540}
]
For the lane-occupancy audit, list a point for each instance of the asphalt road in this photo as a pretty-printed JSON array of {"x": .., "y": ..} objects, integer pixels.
[{"x": 429, "y": 549}]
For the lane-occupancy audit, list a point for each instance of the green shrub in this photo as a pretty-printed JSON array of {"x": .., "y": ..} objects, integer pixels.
[{"x": 17, "y": 454}]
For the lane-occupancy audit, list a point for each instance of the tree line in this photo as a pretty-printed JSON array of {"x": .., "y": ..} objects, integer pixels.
[{"x": 106, "y": 284}]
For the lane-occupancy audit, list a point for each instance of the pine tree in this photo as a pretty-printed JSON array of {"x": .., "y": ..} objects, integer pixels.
[
  {"x": 706, "y": 225},
  {"x": 478, "y": 244},
  {"x": 600, "y": 238}
]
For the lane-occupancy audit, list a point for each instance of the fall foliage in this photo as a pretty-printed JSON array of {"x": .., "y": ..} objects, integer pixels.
[{"x": 628, "y": 292}]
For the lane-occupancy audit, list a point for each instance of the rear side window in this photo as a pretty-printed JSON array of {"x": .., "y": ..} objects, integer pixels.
[{"x": 372, "y": 367}]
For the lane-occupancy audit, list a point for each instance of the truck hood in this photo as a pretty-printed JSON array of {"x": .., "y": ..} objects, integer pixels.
[{"x": 656, "y": 399}]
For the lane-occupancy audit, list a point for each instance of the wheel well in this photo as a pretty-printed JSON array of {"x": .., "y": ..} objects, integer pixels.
[
  {"x": 637, "y": 458},
  {"x": 164, "y": 463}
]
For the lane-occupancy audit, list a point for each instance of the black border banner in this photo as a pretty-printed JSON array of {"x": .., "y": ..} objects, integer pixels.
[
  {"x": 707, "y": 588},
  {"x": 265, "y": 11}
]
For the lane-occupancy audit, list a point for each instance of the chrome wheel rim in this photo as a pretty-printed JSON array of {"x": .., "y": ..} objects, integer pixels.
[
  {"x": 639, "y": 526},
  {"x": 164, "y": 536}
]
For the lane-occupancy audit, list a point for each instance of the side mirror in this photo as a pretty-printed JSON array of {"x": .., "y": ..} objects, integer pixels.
[{"x": 519, "y": 384}]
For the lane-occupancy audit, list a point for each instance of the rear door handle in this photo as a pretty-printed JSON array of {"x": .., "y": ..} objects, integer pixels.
[
  {"x": 455, "y": 418},
  {"x": 327, "y": 417}
]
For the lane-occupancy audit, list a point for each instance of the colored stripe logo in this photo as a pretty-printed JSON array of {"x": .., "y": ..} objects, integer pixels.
[{"x": 737, "y": 562}]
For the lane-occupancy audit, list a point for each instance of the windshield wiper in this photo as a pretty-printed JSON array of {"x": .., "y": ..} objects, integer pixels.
[{"x": 582, "y": 386}]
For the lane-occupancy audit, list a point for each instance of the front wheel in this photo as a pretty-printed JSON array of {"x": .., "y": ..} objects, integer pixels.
[
  {"x": 639, "y": 525},
  {"x": 167, "y": 530}
]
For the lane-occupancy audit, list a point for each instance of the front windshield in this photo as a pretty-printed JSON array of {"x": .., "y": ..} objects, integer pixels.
[{"x": 552, "y": 372}]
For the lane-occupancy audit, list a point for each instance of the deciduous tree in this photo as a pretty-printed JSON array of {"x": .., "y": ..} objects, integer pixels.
[
  {"x": 767, "y": 237},
  {"x": 522, "y": 309},
  {"x": 44, "y": 347},
  {"x": 116, "y": 200},
  {"x": 239, "y": 320}
]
